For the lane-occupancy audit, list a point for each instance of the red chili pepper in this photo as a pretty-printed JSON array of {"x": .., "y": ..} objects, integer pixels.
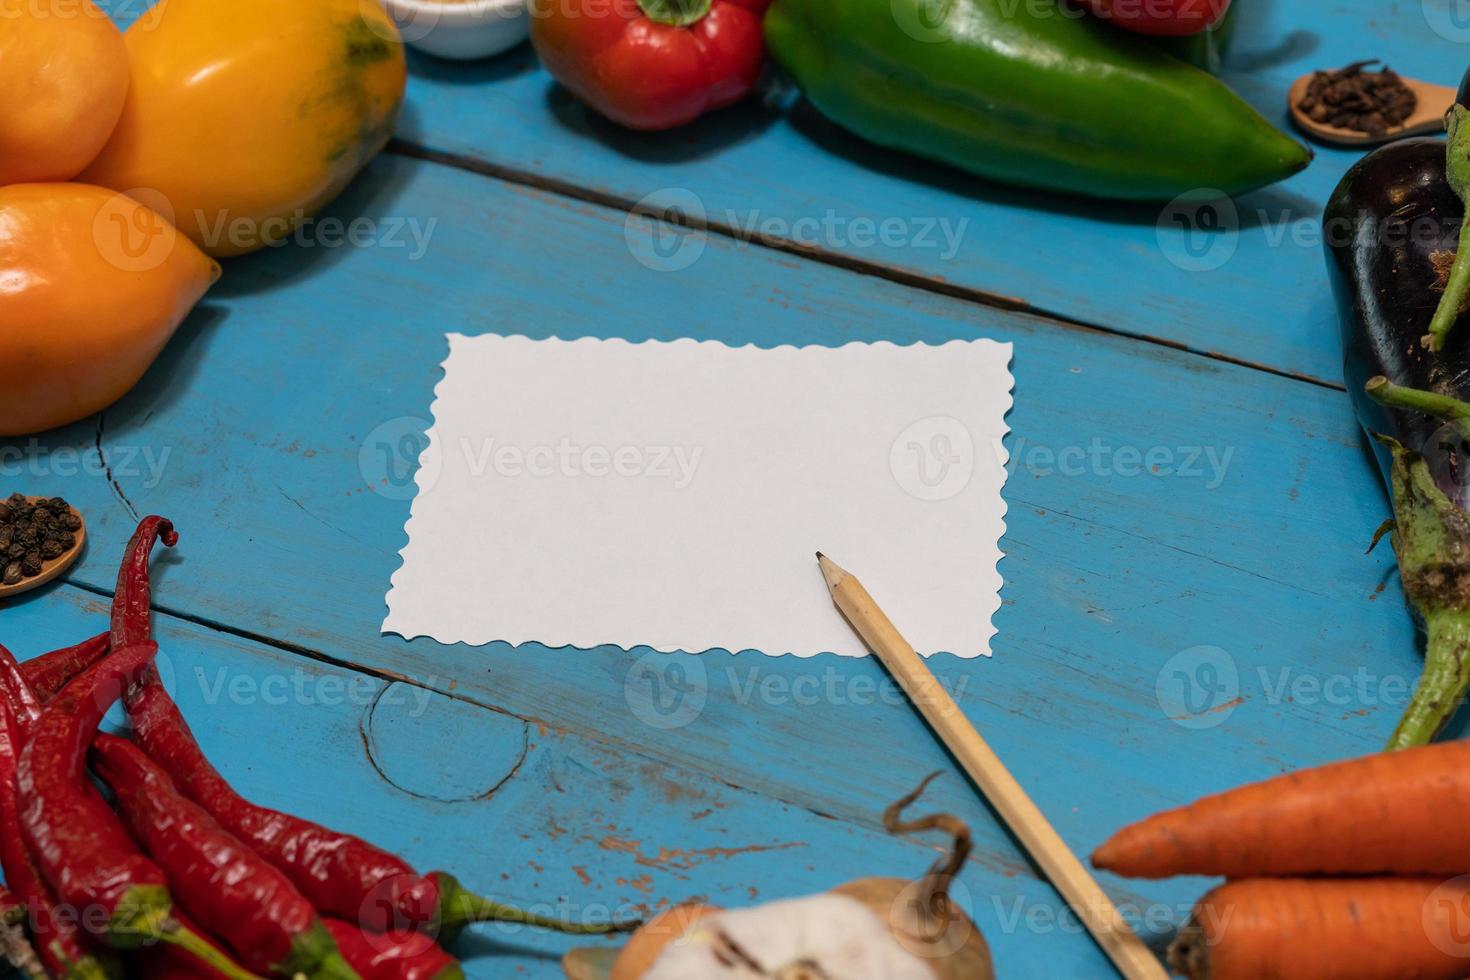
[
  {"x": 342, "y": 876},
  {"x": 225, "y": 885},
  {"x": 396, "y": 955},
  {"x": 133, "y": 599},
  {"x": 24, "y": 705},
  {"x": 79, "y": 845},
  {"x": 1171, "y": 18},
  {"x": 50, "y": 672},
  {"x": 63, "y": 949},
  {"x": 652, "y": 64}
]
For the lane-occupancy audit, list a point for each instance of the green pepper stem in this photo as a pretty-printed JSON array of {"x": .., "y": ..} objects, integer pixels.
[
  {"x": 314, "y": 955},
  {"x": 465, "y": 907},
  {"x": 1453, "y": 299},
  {"x": 675, "y": 13},
  {"x": 1446, "y": 679},
  {"x": 333, "y": 966},
  {"x": 1386, "y": 393},
  {"x": 202, "y": 950}
]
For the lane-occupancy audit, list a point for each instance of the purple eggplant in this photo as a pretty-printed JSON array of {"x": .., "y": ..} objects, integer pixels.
[{"x": 1391, "y": 231}]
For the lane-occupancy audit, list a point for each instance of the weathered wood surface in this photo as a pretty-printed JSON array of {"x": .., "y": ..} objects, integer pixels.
[
  {"x": 1252, "y": 291},
  {"x": 1187, "y": 603},
  {"x": 265, "y": 429},
  {"x": 529, "y": 814}
]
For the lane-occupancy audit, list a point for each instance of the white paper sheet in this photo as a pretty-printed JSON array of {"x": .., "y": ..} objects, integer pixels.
[{"x": 673, "y": 495}]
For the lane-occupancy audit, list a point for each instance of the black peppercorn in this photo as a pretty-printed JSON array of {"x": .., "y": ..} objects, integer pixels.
[
  {"x": 1363, "y": 101},
  {"x": 33, "y": 533}
]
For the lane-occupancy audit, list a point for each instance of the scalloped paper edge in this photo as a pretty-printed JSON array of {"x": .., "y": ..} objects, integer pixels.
[{"x": 566, "y": 642}]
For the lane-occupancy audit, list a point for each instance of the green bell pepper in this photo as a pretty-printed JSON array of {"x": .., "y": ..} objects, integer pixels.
[{"x": 1027, "y": 92}]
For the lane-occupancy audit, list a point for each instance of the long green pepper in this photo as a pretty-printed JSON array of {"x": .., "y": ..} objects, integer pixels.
[{"x": 1028, "y": 93}]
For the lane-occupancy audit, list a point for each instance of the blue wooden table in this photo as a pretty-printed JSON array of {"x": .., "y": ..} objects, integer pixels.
[{"x": 1187, "y": 602}]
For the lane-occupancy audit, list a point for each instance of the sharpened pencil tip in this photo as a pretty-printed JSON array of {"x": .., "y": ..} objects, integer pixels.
[{"x": 820, "y": 556}]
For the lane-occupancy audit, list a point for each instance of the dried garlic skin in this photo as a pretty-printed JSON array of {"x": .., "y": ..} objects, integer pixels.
[{"x": 828, "y": 935}]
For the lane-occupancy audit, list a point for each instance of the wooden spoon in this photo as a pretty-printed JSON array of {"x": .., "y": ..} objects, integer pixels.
[
  {"x": 1428, "y": 117},
  {"x": 52, "y": 568}
]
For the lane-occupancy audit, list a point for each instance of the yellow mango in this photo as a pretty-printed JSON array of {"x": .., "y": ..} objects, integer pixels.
[
  {"x": 243, "y": 119},
  {"x": 92, "y": 286},
  {"x": 64, "y": 72}
]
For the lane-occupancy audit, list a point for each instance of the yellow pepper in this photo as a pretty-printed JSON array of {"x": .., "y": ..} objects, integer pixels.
[{"x": 244, "y": 119}]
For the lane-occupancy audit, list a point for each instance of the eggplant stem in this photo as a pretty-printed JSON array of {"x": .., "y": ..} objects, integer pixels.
[
  {"x": 1390, "y": 395},
  {"x": 1453, "y": 300},
  {"x": 1446, "y": 679}
]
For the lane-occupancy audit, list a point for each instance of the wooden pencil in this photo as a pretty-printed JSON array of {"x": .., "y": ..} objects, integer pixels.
[{"x": 1067, "y": 874}]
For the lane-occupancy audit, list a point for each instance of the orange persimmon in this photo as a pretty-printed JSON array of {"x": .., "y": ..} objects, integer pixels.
[{"x": 64, "y": 72}]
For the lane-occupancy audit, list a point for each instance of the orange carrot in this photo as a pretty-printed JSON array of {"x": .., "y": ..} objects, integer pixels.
[
  {"x": 1328, "y": 929},
  {"x": 1383, "y": 814}
]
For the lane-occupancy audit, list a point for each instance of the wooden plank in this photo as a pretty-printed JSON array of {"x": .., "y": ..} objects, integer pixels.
[
  {"x": 1163, "y": 507},
  {"x": 531, "y": 815},
  {"x": 790, "y": 175}
]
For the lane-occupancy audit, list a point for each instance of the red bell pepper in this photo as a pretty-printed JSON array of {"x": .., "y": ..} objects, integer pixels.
[
  {"x": 652, "y": 64},
  {"x": 1171, "y": 18}
]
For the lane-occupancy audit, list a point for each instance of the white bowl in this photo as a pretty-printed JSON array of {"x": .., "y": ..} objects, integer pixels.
[{"x": 461, "y": 29}]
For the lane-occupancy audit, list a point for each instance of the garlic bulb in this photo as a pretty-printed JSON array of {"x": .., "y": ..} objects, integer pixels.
[
  {"x": 870, "y": 929},
  {"x": 824, "y": 937}
]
